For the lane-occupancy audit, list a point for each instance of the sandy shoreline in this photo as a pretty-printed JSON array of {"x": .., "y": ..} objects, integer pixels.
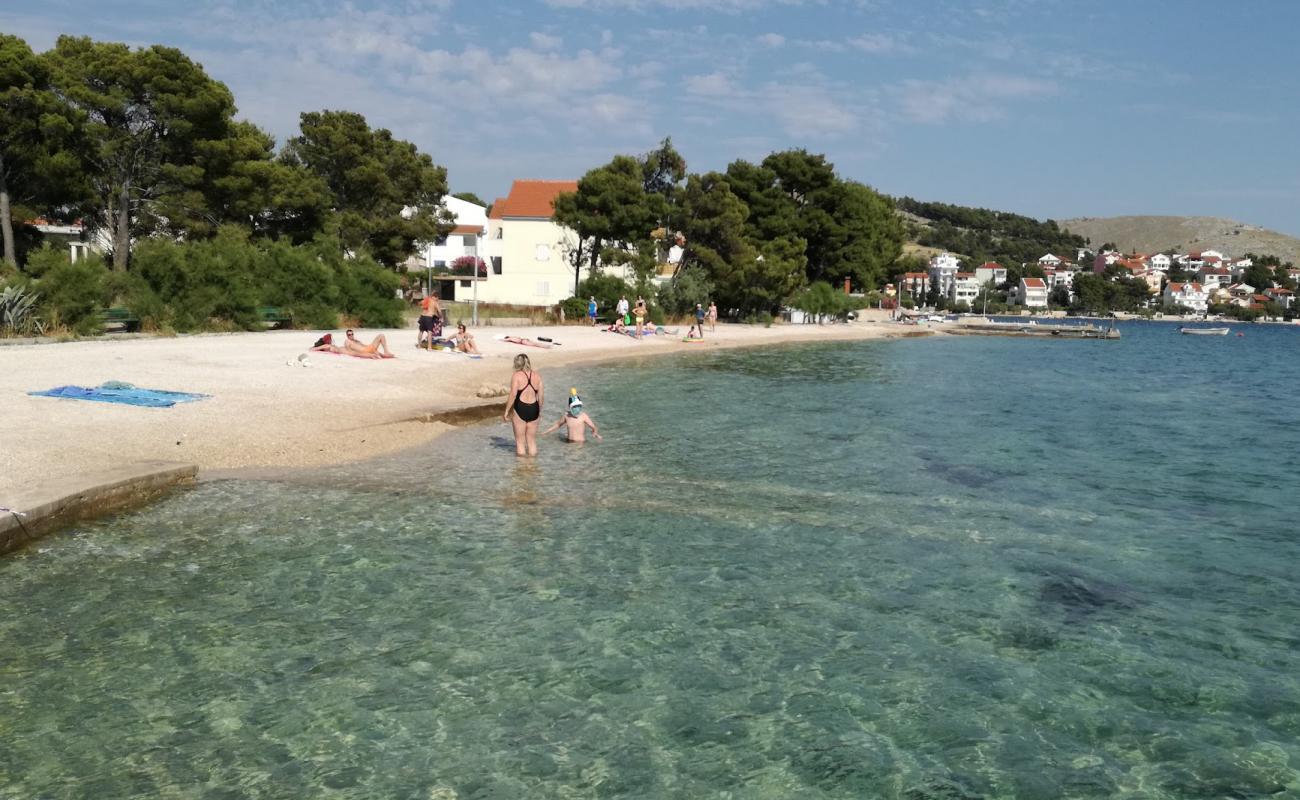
[{"x": 263, "y": 413}]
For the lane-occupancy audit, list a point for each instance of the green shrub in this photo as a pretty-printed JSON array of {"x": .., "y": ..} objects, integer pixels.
[
  {"x": 72, "y": 294},
  {"x": 130, "y": 290},
  {"x": 43, "y": 259},
  {"x": 688, "y": 287},
  {"x": 606, "y": 288},
  {"x": 575, "y": 308},
  {"x": 368, "y": 292}
]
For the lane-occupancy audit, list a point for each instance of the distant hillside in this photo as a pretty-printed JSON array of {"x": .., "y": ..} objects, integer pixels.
[
  {"x": 981, "y": 234},
  {"x": 1184, "y": 234}
]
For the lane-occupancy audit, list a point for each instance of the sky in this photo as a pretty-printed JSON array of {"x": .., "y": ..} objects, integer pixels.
[{"x": 1050, "y": 108}]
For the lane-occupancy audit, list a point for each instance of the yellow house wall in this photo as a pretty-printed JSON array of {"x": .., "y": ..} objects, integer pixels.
[{"x": 524, "y": 279}]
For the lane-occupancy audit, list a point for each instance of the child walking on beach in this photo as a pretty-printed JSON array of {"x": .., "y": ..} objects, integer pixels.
[{"x": 575, "y": 421}]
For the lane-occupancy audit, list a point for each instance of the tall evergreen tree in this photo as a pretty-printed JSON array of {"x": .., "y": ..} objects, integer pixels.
[
  {"x": 149, "y": 114},
  {"x": 385, "y": 194},
  {"x": 37, "y": 165}
]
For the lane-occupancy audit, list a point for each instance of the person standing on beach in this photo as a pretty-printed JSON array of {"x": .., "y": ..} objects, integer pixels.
[
  {"x": 430, "y": 320},
  {"x": 525, "y": 401},
  {"x": 621, "y": 308},
  {"x": 591, "y": 311},
  {"x": 699, "y": 319},
  {"x": 640, "y": 313},
  {"x": 713, "y": 316}
]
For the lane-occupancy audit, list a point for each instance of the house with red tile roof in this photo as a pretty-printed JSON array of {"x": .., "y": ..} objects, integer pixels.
[
  {"x": 1031, "y": 293},
  {"x": 1189, "y": 295},
  {"x": 991, "y": 271},
  {"x": 527, "y": 252},
  {"x": 1283, "y": 297},
  {"x": 916, "y": 284}
]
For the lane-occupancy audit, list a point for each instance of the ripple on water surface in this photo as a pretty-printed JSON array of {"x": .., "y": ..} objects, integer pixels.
[{"x": 810, "y": 572}]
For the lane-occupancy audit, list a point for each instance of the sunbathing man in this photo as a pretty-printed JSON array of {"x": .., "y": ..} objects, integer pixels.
[
  {"x": 575, "y": 420},
  {"x": 378, "y": 348}
]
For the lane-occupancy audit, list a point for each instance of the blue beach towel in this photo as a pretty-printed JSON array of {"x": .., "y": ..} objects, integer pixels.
[{"x": 123, "y": 393}]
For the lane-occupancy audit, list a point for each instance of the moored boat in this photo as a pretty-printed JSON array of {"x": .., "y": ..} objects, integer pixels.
[{"x": 1204, "y": 331}]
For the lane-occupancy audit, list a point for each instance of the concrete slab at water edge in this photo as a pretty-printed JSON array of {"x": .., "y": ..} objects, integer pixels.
[{"x": 59, "y": 502}]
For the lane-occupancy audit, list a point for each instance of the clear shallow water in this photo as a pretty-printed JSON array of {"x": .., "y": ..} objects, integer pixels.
[{"x": 955, "y": 568}]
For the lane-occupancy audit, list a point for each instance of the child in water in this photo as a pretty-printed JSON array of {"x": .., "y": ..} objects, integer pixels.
[{"x": 576, "y": 421}]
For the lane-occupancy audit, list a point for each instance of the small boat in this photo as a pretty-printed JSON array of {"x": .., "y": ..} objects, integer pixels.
[{"x": 1204, "y": 331}]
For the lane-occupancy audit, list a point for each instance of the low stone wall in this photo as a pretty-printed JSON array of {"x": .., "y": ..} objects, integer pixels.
[{"x": 76, "y": 498}]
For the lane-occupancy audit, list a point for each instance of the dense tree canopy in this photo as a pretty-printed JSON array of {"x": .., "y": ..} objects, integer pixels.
[
  {"x": 385, "y": 194},
  {"x": 850, "y": 231},
  {"x": 37, "y": 163},
  {"x": 982, "y": 235},
  {"x": 149, "y": 115}
]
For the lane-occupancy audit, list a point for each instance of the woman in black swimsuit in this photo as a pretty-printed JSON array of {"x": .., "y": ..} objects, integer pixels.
[{"x": 525, "y": 399}]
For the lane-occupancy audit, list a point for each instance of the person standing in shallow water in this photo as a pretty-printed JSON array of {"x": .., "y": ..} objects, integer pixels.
[{"x": 524, "y": 405}]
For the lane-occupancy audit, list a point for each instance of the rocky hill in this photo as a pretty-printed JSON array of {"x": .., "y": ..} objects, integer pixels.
[{"x": 1184, "y": 234}]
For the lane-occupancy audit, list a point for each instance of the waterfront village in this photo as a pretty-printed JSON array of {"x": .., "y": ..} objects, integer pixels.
[
  {"x": 514, "y": 252},
  {"x": 1194, "y": 283}
]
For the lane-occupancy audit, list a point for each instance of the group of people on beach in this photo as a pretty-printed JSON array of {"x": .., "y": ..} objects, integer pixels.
[
  {"x": 430, "y": 329},
  {"x": 623, "y": 316},
  {"x": 523, "y": 410}
]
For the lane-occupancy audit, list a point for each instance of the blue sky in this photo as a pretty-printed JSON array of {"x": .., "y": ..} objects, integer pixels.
[{"x": 1052, "y": 108}]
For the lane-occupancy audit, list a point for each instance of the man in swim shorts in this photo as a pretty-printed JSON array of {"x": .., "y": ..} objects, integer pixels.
[
  {"x": 378, "y": 348},
  {"x": 430, "y": 319}
]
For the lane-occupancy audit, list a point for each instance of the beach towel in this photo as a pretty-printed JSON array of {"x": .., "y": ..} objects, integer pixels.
[{"x": 122, "y": 393}]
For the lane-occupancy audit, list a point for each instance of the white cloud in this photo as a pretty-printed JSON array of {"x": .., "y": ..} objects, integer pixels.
[
  {"x": 715, "y": 84},
  {"x": 807, "y": 111},
  {"x": 771, "y": 39},
  {"x": 881, "y": 44},
  {"x": 545, "y": 41},
  {"x": 978, "y": 98}
]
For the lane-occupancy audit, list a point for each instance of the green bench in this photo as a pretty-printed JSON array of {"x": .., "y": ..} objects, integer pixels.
[
  {"x": 274, "y": 316},
  {"x": 119, "y": 318}
]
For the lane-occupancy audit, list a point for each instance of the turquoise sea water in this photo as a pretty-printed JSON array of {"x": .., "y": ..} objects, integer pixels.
[{"x": 941, "y": 568}]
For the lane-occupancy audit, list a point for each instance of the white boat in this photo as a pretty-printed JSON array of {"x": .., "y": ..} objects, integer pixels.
[{"x": 1204, "y": 331}]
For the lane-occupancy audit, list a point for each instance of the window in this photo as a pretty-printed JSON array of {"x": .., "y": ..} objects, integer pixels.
[
  {"x": 543, "y": 252},
  {"x": 543, "y": 288},
  {"x": 469, "y": 239},
  {"x": 439, "y": 264},
  {"x": 496, "y": 265},
  {"x": 465, "y": 284},
  {"x": 441, "y": 241},
  {"x": 499, "y": 232}
]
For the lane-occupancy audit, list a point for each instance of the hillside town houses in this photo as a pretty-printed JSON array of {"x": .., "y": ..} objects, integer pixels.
[{"x": 1214, "y": 279}]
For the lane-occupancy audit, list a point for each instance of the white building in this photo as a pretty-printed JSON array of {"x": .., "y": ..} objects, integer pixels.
[
  {"x": 991, "y": 271},
  {"x": 965, "y": 288},
  {"x": 1190, "y": 295},
  {"x": 465, "y": 239},
  {"x": 1059, "y": 278},
  {"x": 1283, "y": 297},
  {"x": 1214, "y": 277},
  {"x": 1031, "y": 293},
  {"x": 1160, "y": 262},
  {"x": 1049, "y": 260},
  {"x": 943, "y": 269}
]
